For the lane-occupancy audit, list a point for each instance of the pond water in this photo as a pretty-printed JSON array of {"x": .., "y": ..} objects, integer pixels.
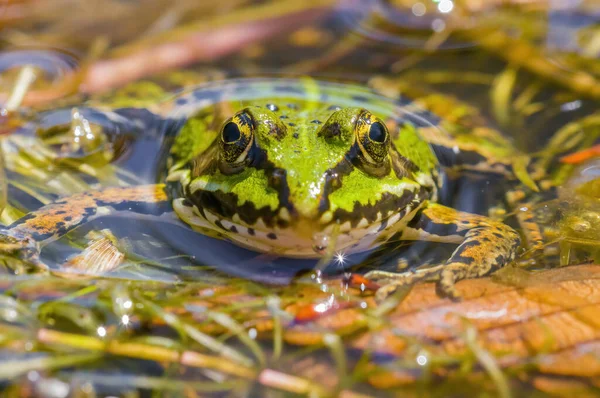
[{"x": 198, "y": 199}]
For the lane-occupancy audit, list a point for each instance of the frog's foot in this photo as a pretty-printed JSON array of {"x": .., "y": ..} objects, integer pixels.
[
  {"x": 23, "y": 238},
  {"x": 392, "y": 281},
  {"x": 22, "y": 247},
  {"x": 484, "y": 245}
]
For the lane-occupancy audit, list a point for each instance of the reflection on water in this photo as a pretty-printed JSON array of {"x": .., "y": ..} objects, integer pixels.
[
  {"x": 53, "y": 64},
  {"x": 400, "y": 27},
  {"x": 30, "y": 76}
]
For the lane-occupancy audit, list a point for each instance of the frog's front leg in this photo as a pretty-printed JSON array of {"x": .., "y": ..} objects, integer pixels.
[
  {"x": 484, "y": 245},
  {"x": 23, "y": 238}
]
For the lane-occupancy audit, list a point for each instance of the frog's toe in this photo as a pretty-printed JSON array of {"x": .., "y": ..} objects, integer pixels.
[
  {"x": 383, "y": 276},
  {"x": 394, "y": 278},
  {"x": 21, "y": 247},
  {"x": 387, "y": 290},
  {"x": 392, "y": 281},
  {"x": 446, "y": 285}
]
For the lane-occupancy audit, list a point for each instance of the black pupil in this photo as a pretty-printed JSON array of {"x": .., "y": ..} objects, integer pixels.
[
  {"x": 231, "y": 133},
  {"x": 377, "y": 132}
]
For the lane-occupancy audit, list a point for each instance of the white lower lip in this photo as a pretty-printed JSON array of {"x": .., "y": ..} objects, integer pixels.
[{"x": 288, "y": 242}]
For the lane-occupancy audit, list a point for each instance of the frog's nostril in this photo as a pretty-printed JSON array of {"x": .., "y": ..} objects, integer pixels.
[
  {"x": 321, "y": 242},
  {"x": 277, "y": 178}
]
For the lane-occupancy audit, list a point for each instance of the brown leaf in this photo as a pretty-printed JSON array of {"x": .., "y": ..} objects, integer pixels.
[{"x": 551, "y": 321}]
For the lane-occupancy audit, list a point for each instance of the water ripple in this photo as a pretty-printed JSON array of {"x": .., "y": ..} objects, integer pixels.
[{"x": 406, "y": 28}]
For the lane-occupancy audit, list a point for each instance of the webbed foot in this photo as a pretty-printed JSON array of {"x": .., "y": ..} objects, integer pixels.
[{"x": 484, "y": 245}]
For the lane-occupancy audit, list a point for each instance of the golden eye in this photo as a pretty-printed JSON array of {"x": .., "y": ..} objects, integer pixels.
[
  {"x": 372, "y": 138},
  {"x": 237, "y": 136}
]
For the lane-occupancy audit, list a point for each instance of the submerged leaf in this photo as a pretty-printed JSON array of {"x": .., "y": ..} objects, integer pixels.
[
  {"x": 542, "y": 321},
  {"x": 101, "y": 256}
]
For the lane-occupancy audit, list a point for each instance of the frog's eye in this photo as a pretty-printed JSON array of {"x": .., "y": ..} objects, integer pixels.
[
  {"x": 372, "y": 137},
  {"x": 237, "y": 135},
  {"x": 231, "y": 133},
  {"x": 377, "y": 132}
]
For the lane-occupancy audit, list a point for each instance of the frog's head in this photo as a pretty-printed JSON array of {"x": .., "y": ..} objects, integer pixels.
[{"x": 290, "y": 180}]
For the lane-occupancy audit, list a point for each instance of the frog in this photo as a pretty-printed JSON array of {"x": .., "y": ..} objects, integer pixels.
[{"x": 297, "y": 167}]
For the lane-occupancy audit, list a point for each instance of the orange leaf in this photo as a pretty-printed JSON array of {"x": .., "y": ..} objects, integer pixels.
[{"x": 581, "y": 156}]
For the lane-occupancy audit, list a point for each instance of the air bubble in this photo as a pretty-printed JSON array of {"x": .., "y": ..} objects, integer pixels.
[{"x": 85, "y": 135}]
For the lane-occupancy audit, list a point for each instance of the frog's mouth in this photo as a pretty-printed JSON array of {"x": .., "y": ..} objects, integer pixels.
[{"x": 284, "y": 233}]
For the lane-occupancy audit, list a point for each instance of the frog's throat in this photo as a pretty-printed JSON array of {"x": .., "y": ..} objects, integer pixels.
[{"x": 302, "y": 238}]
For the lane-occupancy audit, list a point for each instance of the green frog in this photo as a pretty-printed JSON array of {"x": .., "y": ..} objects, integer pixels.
[{"x": 298, "y": 168}]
